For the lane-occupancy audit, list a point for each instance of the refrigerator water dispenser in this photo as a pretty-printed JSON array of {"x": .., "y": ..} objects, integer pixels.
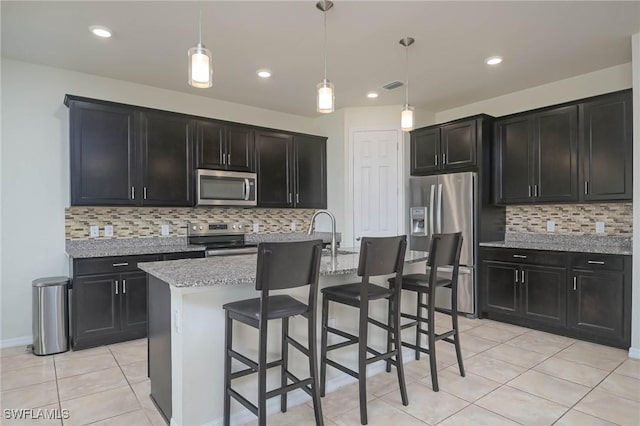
[{"x": 419, "y": 221}]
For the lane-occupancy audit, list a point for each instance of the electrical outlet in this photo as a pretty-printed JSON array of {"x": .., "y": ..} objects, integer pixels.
[
  {"x": 551, "y": 226},
  {"x": 94, "y": 231},
  {"x": 164, "y": 230},
  {"x": 108, "y": 230},
  {"x": 293, "y": 226},
  {"x": 256, "y": 227},
  {"x": 599, "y": 227}
]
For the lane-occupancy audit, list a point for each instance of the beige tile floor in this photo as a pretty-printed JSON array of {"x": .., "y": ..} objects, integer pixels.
[{"x": 514, "y": 376}]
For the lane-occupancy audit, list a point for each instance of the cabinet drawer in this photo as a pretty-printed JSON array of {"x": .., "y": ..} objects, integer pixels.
[
  {"x": 520, "y": 256},
  {"x": 106, "y": 265},
  {"x": 597, "y": 262}
]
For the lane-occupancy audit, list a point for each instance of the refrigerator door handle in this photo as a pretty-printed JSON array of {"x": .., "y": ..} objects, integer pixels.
[
  {"x": 439, "y": 208},
  {"x": 432, "y": 200}
]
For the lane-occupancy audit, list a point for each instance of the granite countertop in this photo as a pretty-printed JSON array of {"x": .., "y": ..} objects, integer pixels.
[
  {"x": 292, "y": 236},
  {"x": 579, "y": 244},
  {"x": 77, "y": 249},
  {"x": 241, "y": 269}
]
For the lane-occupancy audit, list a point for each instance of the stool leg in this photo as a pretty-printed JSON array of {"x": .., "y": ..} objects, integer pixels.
[
  {"x": 456, "y": 336},
  {"x": 418, "y": 323},
  {"x": 227, "y": 368},
  {"x": 323, "y": 345},
  {"x": 362, "y": 362},
  {"x": 313, "y": 369},
  {"x": 285, "y": 363},
  {"x": 390, "y": 323},
  {"x": 432, "y": 341},
  {"x": 398, "y": 344},
  {"x": 262, "y": 376}
]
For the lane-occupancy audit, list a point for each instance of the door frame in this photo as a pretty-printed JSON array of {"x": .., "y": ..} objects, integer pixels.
[{"x": 402, "y": 182}]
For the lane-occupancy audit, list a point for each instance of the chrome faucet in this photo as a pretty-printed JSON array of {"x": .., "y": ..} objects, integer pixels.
[{"x": 334, "y": 244}]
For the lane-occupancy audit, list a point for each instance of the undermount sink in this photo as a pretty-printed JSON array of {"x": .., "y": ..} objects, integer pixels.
[{"x": 327, "y": 252}]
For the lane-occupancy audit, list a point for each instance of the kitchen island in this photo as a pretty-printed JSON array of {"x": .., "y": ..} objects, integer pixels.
[{"x": 186, "y": 332}]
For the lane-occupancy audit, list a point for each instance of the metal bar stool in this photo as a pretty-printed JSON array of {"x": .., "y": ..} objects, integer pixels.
[
  {"x": 378, "y": 256},
  {"x": 280, "y": 266},
  {"x": 445, "y": 251}
]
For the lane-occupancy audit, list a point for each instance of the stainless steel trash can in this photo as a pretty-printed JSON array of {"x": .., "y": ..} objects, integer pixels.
[{"x": 50, "y": 315}]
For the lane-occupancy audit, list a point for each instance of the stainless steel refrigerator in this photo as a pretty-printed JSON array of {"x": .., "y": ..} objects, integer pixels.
[{"x": 444, "y": 204}]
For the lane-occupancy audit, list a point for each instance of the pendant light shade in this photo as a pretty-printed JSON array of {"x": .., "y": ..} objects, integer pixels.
[
  {"x": 200, "y": 63},
  {"x": 326, "y": 94},
  {"x": 407, "y": 114}
]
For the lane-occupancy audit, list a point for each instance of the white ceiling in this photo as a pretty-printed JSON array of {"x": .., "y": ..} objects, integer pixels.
[{"x": 540, "y": 41}]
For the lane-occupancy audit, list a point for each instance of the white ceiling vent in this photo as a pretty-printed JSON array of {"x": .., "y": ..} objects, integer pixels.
[{"x": 393, "y": 85}]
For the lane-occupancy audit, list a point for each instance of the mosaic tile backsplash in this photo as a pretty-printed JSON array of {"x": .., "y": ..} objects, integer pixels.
[
  {"x": 129, "y": 222},
  {"x": 572, "y": 219}
]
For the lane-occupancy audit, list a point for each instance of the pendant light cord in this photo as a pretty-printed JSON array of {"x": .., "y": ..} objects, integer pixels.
[
  {"x": 407, "y": 71},
  {"x": 200, "y": 27},
  {"x": 324, "y": 14}
]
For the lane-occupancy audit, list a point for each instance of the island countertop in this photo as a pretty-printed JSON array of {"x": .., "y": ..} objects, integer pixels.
[{"x": 241, "y": 269}]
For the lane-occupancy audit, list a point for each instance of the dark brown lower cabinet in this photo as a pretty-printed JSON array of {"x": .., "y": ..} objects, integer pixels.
[
  {"x": 96, "y": 307},
  {"x": 134, "y": 300},
  {"x": 586, "y": 296}
]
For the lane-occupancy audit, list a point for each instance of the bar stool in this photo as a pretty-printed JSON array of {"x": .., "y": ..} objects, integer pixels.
[
  {"x": 280, "y": 266},
  {"x": 445, "y": 251},
  {"x": 378, "y": 256}
]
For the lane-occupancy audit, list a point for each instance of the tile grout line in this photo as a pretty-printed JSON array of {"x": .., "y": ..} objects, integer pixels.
[
  {"x": 144, "y": 410},
  {"x": 55, "y": 374}
]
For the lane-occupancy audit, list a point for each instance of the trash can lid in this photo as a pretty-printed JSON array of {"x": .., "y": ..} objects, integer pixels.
[{"x": 49, "y": 281}]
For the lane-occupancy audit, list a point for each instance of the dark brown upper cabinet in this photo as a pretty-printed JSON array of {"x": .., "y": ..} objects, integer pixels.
[
  {"x": 606, "y": 148},
  {"x": 224, "y": 147},
  {"x": 449, "y": 147},
  {"x": 103, "y": 143},
  {"x": 576, "y": 152},
  {"x": 291, "y": 170},
  {"x": 167, "y": 160}
]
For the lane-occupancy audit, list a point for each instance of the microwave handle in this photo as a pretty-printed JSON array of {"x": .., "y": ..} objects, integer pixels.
[{"x": 247, "y": 189}]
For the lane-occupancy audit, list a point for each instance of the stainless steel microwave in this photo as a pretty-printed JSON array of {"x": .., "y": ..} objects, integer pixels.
[{"x": 220, "y": 188}]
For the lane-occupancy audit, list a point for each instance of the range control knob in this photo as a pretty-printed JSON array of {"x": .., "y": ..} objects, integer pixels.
[
  {"x": 239, "y": 226},
  {"x": 201, "y": 228},
  {"x": 194, "y": 227},
  {"x": 234, "y": 226}
]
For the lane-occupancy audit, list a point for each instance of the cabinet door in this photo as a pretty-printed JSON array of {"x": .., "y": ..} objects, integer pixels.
[
  {"x": 103, "y": 154},
  {"x": 596, "y": 303},
  {"x": 555, "y": 134},
  {"x": 500, "y": 281},
  {"x": 543, "y": 293},
  {"x": 425, "y": 151},
  {"x": 310, "y": 162},
  {"x": 133, "y": 287},
  {"x": 210, "y": 141},
  {"x": 514, "y": 165},
  {"x": 167, "y": 160},
  {"x": 458, "y": 145},
  {"x": 606, "y": 147},
  {"x": 240, "y": 149},
  {"x": 273, "y": 156},
  {"x": 95, "y": 306}
]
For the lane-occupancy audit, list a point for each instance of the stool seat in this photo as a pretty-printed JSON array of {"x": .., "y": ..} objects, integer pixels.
[
  {"x": 421, "y": 282},
  {"x": 351, "y": 292},
  {"x": 280, "y": 306}
]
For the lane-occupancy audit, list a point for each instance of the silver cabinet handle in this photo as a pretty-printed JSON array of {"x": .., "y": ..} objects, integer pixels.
[
  {"x": 298, "y": 198},
  {"x": 595, "y": 262},
  {"x": 121, "y": 264},
  {"x": 444, "y": 159},
  {"x": 535, "y": 191},
  {"x": 133, "y": 193},
  {"x": 229, "y": 159},
  {"x": 436, "y": 156},
  {"x": 289, "y": 198},
  {"x": 529, "y": 190},
  {"x": 515, "y": 274},
  {"x": 574, "y": 283},
  {"x": 224, "y": 159},
  {"x": 116, "y": 286},
  {"x": 522, "y": 280},
  {"x": 124, "y": 286},
  {"x": 144, "y": 193},
  {"x": 519, "y": 256},
  {"x": 586, "y": 187}
]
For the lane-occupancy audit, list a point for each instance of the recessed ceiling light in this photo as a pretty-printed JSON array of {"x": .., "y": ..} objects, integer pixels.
[
  {"x": 100, "y": 31},
  {"x": 372, "y": 95},
  {"x": 494, "y": 60},
  {"x": 264, "y": 73}
]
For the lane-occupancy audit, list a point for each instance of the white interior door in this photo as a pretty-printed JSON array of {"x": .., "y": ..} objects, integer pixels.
[{"x": 376, "y": 200}]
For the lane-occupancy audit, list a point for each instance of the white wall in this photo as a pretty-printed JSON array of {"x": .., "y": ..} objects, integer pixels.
[
  {"x": 634, "y": 351},
  {"x": 35, "y": 167},
  {"x": 585, "y": 85}
]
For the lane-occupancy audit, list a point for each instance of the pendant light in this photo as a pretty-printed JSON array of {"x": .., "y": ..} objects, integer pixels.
[
  {"x": 200, "y": 63},
  {"x": 326, "y": 96},
  {"x": 406, "y": 117}
]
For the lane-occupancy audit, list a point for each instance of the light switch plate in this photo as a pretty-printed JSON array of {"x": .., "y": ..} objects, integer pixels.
[
  {"x": 165, "y": 230},
  {"x": 551, "y": 226},
  {"x": 108, "y": 230},
  {"x": 256, "y": 227},
  {"x": 599, "y": 227},
  {"x": 94, "y": 231},
  {"x": 293, "y": 226}
]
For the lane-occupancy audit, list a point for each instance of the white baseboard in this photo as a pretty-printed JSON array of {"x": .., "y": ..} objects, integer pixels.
[
  {"x": 634, "y": 353},
  {"x": 16, "y": 341}
]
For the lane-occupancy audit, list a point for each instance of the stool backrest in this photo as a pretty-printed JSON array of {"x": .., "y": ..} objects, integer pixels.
[
  {"x": 288, "y": 264},
  {"x": 445, "y": 251},
  {"x": 382, "y": 255}
]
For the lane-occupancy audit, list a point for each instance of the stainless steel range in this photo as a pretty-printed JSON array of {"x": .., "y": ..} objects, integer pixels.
[{"x": 220, "y": 239}]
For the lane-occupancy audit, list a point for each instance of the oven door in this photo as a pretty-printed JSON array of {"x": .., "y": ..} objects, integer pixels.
[{"x": 220, "y": 188}]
